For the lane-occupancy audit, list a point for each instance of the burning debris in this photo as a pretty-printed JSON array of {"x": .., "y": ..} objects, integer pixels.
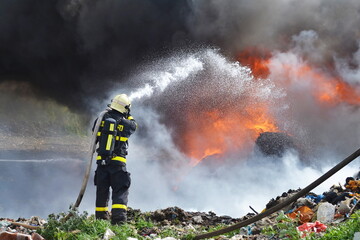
[{"x": 275, "y": 143}]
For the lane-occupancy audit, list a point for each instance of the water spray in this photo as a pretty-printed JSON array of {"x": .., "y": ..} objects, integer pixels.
[{"x": 180, "y": 70}]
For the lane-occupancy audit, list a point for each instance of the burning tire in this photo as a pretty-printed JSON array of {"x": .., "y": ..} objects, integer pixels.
[{"x": 275, "y": 143}]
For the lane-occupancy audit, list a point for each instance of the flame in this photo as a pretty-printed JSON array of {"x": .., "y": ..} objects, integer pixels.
[
  {"x": 326, "y": 88},
  {"x": 219, "y": 132},
  {"x": 336, "y": 91},
  {"x": 215, "y": 132},
  {"x": 260, "y": 121},
  {"x": 257, "y": 59}
]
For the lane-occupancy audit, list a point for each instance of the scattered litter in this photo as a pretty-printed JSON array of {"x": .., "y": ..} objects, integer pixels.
[
  {"x": 356, "y": 236},
  {"x": 317, "y": 198},
  {"x": 108, "y": 234},
  {"x": 344, "y": 206},
  {"x": 304, "y": 214},
  {"x": 20, "y": 236},
  {"x": 3, "y": 225},
  {"x": 311, "y": 227},
  {"x": 197, "y": 219},
  {"x": 326, "y": 212}
]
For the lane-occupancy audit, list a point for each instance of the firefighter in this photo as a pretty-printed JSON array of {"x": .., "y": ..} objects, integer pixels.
[{"x": 112, "y": 138}]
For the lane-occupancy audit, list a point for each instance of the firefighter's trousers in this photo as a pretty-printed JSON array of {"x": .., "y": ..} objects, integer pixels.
[{"x": 116, "y": 177}]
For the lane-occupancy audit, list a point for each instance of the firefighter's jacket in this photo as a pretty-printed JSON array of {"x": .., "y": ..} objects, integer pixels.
[{"x": 126, "y": 126}]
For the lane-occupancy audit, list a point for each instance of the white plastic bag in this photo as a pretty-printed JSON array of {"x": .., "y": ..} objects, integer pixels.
[{"x": 325, "y": 212}]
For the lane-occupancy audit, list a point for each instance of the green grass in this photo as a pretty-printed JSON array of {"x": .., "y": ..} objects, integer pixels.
[{"x": 82, "y": 226}]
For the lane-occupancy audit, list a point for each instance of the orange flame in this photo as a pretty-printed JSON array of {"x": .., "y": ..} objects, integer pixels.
[
  {"x": 217, "y": 132},
  {"x": 327, "y": 89},
  {"x": 257, "y": 59}
]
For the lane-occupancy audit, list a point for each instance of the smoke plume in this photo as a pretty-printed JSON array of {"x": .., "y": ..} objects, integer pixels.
[{"x": 72, "y": 49}]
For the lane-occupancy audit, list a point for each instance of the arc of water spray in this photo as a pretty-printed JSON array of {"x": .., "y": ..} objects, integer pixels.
[{"x": 178, "y": 71}]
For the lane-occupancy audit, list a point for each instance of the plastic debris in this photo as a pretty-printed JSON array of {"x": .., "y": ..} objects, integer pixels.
[
  {"x": 304, "y": 213},
  {"x": 3, "y": 225},
  {"x": 14, "y": 236},
  {"x": 20, "y": 236},
  {"x": 344, "y": 206},
  {"x": 197, "y": 219},
  {"x": 317, "y": 198},
  {"x": 311, "y": 227},
  {"x": 326, "y": 212},
  {"x": 356, "y": 236},
  {"x": 108, "y": 234}
]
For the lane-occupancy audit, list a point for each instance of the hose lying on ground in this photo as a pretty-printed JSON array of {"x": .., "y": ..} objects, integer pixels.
[{"x": 279, "y": 206}]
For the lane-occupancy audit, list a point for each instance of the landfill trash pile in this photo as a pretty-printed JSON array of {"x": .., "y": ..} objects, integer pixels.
[
  {"x": 20, "y": 229},
  {"x": 174, "y": 215},
  {"x": 311, "y": 213}
]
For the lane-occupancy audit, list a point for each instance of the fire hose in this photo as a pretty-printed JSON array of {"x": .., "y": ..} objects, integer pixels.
[
  {"x": 288, "y": 201},
  {"x": 88, "y": 168}
]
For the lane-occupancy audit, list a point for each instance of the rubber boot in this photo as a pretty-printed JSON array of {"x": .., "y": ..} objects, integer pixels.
[
  {"x": 102, "y": 215},
  {"x": 118, "y": 217}
]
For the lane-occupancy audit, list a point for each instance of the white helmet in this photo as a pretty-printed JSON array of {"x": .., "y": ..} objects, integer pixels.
[{"x": 121, "y": 103}]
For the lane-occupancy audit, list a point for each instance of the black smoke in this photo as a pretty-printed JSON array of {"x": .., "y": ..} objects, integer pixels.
[
  {"x": 235, "y": 24},
  {"x": 70, "y": 50}
]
